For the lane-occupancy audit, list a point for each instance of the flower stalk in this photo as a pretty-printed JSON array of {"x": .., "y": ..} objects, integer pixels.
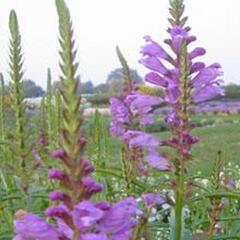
[
  {"x": 185, "y": 83},
  {"x": 21, "y": 152}
]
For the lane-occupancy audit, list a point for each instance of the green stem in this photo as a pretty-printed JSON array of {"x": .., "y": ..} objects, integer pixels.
[
  {"x": 179, "y": 202},
  {"x": 76, "y": 234},
  {"x": 141, "y": 227}
]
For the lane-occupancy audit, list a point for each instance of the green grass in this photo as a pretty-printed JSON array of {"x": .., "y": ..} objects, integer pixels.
[
  {"x": 225, "y": 138},
  {"x": 222, "y": 137}
]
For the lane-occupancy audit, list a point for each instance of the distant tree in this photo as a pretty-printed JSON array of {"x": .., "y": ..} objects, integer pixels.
[
  {"x": 101, "y": 88},
  {"x": 31, "y": 90},
  {"x": 115, "y": 80},
  {"x": 232, "y": 90},
  {"x": 87, "y": 87}
]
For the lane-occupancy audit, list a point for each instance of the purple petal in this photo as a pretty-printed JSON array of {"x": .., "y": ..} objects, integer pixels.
[
  {"x": 153, "y": 199},
  {"x": 152, "y": 48},
  {"x": 157, "y": 161},
  {"x": 206, "y": 76},
  {"x": 154, "y": 78},
  {"x": 30, "y": 226},
  {"x": 196, "y": 67},
  {"x": 154, "y": 64},
  {"x": 206, "y": 93},
  {"x": 197, "y": 52},
  {"x": 85, "y": 215},
  {"x": 142, "y": 139}
]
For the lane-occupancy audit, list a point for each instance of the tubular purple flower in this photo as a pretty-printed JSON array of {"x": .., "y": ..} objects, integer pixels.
[
  {"x": 61, "y": 211},
  {"x": 90, "y": 186},
  {"x": 173, "y": 119},
  {"x": 141, "y": 106},
  {"x": 154, "y": 49},
  {"x": 206, "y": 76},
  {"x": 230, "y": 184},
  {"x": 64, "y": 229},
  {"x": 197, "y": 52},
  {"x": 154, "y": 64},
  {"x": 172, "y": 94},
  {"x": 178, "y": 32},
  {"x": 197, "y": 67},
  {"x": 86, "y": 215},
  {"x": 120, "y": 218},
  {"x": 188, "y": 139},
  {"x": 57, "y": 174},
  {"x": 93, "y": 236},
  {"x": 191, "y": 39},
  {"x": 140, "y": 101},
  {"x": 43, "y": 141},
  {"x": 58, "y": 196},
  {"x": 157, "y": 161},
  {"x": 207, "y": 92},
  {"x": 153, "y": 199},
  {"x": 156, "y": 79},
  {"x": 58, "y": 153},
  {"x": 103, "y": 205},
  {"x": 119, "y": 111},
  {"x": 87, "y": 167},
  {"x": 141, "y": 139},
  {"x": 178, "y": 35},
  {"x": 30, "y": 226}
]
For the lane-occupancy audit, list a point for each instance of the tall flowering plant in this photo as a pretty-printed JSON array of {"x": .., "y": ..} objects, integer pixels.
[
  {"x": 131, "y": 111},
  {"x": 76, "y": 216},
  {"x": 185, "y": 82}
]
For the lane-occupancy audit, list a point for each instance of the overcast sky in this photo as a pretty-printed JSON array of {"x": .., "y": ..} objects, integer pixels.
[{"x": 100, "y": 25}]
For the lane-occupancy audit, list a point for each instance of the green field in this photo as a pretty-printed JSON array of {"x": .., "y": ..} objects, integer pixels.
[
  {"x": 219, "y": 137},
  {"x": 225, "y": 138}
]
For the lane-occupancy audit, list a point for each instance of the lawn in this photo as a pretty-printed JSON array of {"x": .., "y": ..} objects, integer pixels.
[
  {"x": 219, "y": 137},
  {"x": 225, "y": 138}
]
